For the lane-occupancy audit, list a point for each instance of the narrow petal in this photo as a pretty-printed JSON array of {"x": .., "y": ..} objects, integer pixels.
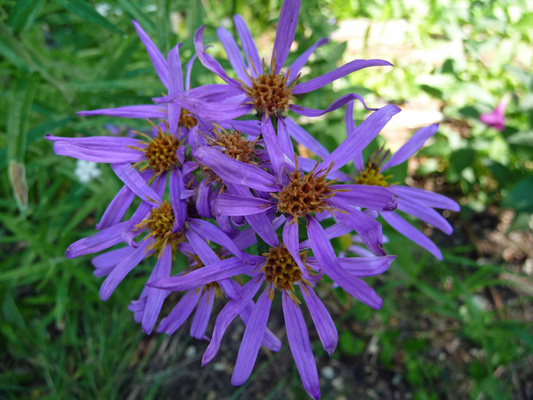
[
  {"x": 208, "y": 61},
  {"x": 210, "y": 232},
  {"x": 188, "y": 69},
  {"x": 159, "y": 62},
  {"x": 350, "y": 129},
  {"x": 176, "y": 73},
  {"x": 111, "y": 258},
  {"x": 429, "y": 198},
  {"x": 333, "y": 231},
  {"x": 223, "y": 269},
  {"x": 327, "y": 332},
  {"x": 261, "y": 224},
  {"x": 202, "y": 249},
  {"x": 273, "y": 147},
  {"x": 179, "y": 206},
  {"x": 369, "y": 229},
  {"x": 232, "y": 205},
  {"x": 327, "y": 259},
  {"x": 300, "y": 62},
  {"x": 142, "y": 111},
  {"x": 179, "y": 313},
  {"x": 303, "y": 137},
  {"x": 228, "y": 314},
  {"x": 250, "y": 127},
  {"x": 215, "y": 93},
  {"x": 247, "y": 42},
  {"x": 123, "y": 268},
  {"x": 301, "y": 346},
  {"x": 426, "y": 214},
  {"x": 102, "y": 240},
  {"x": 103, "y": 149},
  {"x": 131, "y": 177},
  {"x": 233, "y": 53},
  {"x": 288, "y": 20},
  {"x": 233, "y": 171},
  {"x": 212, "y": 111},
  {"x": 155, "y": 297},
  {"x": 366, "y": 266},
  {"x": 411, "y": 146},
  {"x": 374, "y": 197},
  {"x": 203, "y": 312},
  {"x": 346, "y": 69},
  {"x": 362, "y": 136},
  {"x": 411, "y": 233},
  {"x": 312, "y": 112},
  {"x": 251, "y": 340},
  {"x": 284, "y": 139},
  {"x": 116, "y": 209},
  {"x": 203, "y": 195},
  {"x": 292, "y": 243}
]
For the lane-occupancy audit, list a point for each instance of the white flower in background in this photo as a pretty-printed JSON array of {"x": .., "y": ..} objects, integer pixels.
[{"x": 86, "y": 171}]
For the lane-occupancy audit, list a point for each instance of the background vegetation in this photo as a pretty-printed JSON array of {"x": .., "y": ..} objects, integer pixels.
[{"x": 460, "y": 328}]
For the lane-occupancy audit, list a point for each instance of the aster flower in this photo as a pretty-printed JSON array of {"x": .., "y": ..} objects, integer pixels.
[
  {"x": 300, "y": 195},
  {"x": 280, "y": 270},
  {"x": 416, "y": 202},
  {"x": 170, "y": 73},
  {"x": 269, "y": 92},
  {"x": 496, "y": 118}
]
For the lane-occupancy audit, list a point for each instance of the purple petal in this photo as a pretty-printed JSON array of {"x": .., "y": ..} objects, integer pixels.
[
  {"x": 116, "y": 209},
  {"x": 270, "y": 341},
  {"x": 208, "y": 61},
  {"x": 202, "y": 249},
  {"x": 303, "y": 137},
  {"x": 350, "y": 129},
  {"x": 211, "y": 111},
  {"x": 300, "y": 346},
  {"x": 179, "y": 206},
  {"x": 366, "y": 266},
  {"x": 411, "y": 233},
  {"x": 104, "y": 263},
  {"x": 131, "y": 178},
  {"x": 300, "y": 62},
  {"x": 323, "y": 323},
  {"x": 247, "y": 42},
  {"x": 123, "y": 268},
  {"x": 233, "y": 171},
  {"x": 338, "y": 73},
  {"x": 374, "y": 197},
  {"x": 369, "y": 229},
  {"x": 179, "y": 313},
  {"x": 233, "y": 53},
  {"x": 312, "y": 112},
  {"x": 100, "y": 241},
  {"x": 203, "y": 194},
  {"x": 273, "y": 147},
  {"x": 188, "y": 68},
  {"x": 142, "y": 111},
  {"x": 250, "y": 127},
  {"x": 288, "y": 20},
  {"x": 102, "y": 149},
  {"x": 159, "y": 62},
  {"x": 308, "y": 164},
  {"x": 251, "y": 340},
  {"x": 362, "y": 136},
  {"x": 210, "y": 232},
  {"x": 412, "y": 146},
  {"x": 215, "y": 93},
  {"x": 333, "y": 231},
  {"x": 429, "y": 198},
  {"x": 223, "y": 269},
  {"x": 176, "y": 87},
  {"x": 231, "y": 205},
  {"x": 203, "y": 312},
  {"x": 155, "y": 297},
  {"x": 284, "y": 139},
  {"x": 426, "y": 214},
  {"x": 327, "y": 259},
  {"x": 292, "y": 243},
  {"x": 228, "y": 314}
]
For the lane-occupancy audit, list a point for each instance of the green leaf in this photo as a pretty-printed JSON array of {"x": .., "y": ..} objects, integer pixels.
[
  {"x": 21, "y": 16},
  {"x": 85, "y": 11},
  {"x": 521, "y": 196},
  {"x": 131, "y": 8},
  {"x": 17, "y": 178}
]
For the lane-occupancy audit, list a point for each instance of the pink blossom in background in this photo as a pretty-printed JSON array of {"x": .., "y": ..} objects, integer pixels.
[{"x": 496, "y": 118}]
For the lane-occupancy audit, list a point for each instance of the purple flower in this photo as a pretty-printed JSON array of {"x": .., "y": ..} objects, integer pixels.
[
  {"x": 416, "y": 202},
  {"x": 282, "y": 271},
  {"x": 297, "y": 194},
  {"x": 496, "y": 118},
  {"x": 269, "y": 92},
  {"x": 170, "y": 73}
]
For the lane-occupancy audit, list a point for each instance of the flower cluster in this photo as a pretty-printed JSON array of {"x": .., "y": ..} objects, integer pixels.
[{"x": 253, "y": 217}]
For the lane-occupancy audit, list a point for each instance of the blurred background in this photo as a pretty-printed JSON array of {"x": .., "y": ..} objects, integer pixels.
[{"x": 460, "y": 328}]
